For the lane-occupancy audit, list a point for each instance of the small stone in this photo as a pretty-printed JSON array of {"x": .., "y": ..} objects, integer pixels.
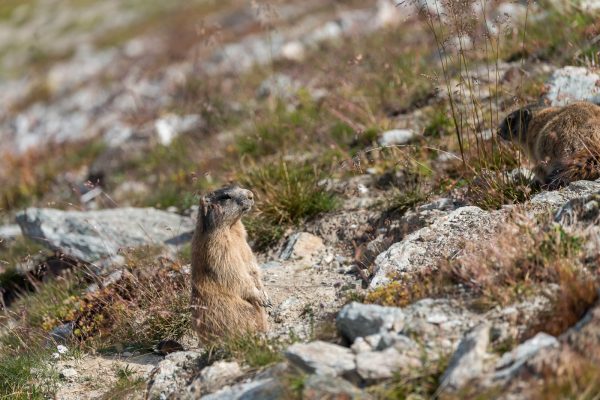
[
  {"x": 301, "y": 245},
  {"x": 397, "y": 137},
  {"x": 322, "y": 358},
  {"x": 68, "y": 374},
  {"x": 293, "y": 51}
]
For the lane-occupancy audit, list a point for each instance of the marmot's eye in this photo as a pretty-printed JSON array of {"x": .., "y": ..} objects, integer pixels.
[{"x": 225, "y": 197}]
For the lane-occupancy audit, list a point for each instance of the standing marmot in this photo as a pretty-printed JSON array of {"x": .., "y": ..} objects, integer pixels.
[
  {"x": 227, "y": 294},
  {"x": 563, "y": 142}
]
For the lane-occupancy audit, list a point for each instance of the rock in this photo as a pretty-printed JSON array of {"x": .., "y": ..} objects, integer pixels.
[
  {"x": 571, "y": 84},
  {"x": 9, "y": 233},
  {"x": 171, "y": 375},
  {"x": 584, "y": 337},
  {"x": 217, "y": 375},
  {"x": 68, "y": 374},
  {"x": 558, "y": 198},
  {"x": 359, "y": 320},
  {"x": 510, "y": 363},
  {"x": 425, "y": 247},
  {"x": 318, "y": 387},
  {"x": 468, "y": 361},
  {"x": 278, "y": 86},
  {"x": 301, "y": 245},
  {"x": 322, "y": 358},
  {"x": 580, "y": 209},
  {"x": 89, "y": 236},
  {"x": 170, "y": 126},
  {"x": 396, "y": 137},
  {"x": 388, "y": 14},
  {"x": 293, "y": 51},
  {"x": 521, "y": 175},
  {"x": 260, "y": 389},
  {"x": 590, "y": 6},
  {"x": 377, "y": 365},
  {"x": 62, "y": 333}
]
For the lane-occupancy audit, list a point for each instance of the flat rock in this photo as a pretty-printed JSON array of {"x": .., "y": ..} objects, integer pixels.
[
  {"x": 322, "y": 358},
  {"x": 425, "y": 247},
  {"x": 359, "y": 320},
  {"x": 92, "y": 235},
  {"x": 570, "y": 84},
  {"x": 318, "y": 387},
  {"x": 373, "y": 366}
]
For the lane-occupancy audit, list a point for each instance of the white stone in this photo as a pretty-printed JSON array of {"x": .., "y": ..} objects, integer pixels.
[
  {"x": 570, "y": 84},
  {"x": 396, "y": 137}
]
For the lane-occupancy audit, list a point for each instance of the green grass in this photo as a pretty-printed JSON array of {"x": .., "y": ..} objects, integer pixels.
[
  {"x": 287, "y": 194},
  {"x": 255, "y": 351},
  {"x": 26, "y": 375}
]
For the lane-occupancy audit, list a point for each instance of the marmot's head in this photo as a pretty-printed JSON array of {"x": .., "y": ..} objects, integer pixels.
[
  {"x": 224, "y": 207},
  {"x": 514, "y": 127}
]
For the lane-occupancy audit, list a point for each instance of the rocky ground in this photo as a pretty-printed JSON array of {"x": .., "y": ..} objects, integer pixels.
[{"x": 406, "y": 251}]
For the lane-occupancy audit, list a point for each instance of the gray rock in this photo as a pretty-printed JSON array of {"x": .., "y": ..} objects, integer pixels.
[
  {"x": 521, "y": 175},
  {"x": 61, "y": 334},
  {"x": 170, "y": 126},
  {"x": 322, "y": 358},
  {"x": 377, "y": 365},
  {"x": 68, "y": 374},
  {"x": 468, "y": 361},
  {"x": 318, "y": 387},
  {"x": 171, "y": 375},
  {"x": 359, "y": 320},
  {"x": 301, "y": 245},
  {"x": 571, "y": 84},
  {"x": 218, "y": 374},
  {"x": 581, "y": 209},
  {"x": 397, "y": 137},
  {"x": 9, "y": 233},
  {"x": 260, "y": 389},
  {"x": 89, "y": 236},
  {"x": 424, "y": 247},
  {"x": 510, "y": 363},
  {"x": 557, "y": 198},
  {"x": 278, "y": 86}
]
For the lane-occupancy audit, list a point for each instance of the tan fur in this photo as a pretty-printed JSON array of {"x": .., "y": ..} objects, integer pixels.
[
  {"x": 562, "y": 142},
  {"x": 227, "y": 294}
]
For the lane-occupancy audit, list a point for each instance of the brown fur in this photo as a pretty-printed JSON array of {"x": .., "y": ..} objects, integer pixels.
[
  {"x": 562, "y": 142},
  {"x": 227, "y": 294}
]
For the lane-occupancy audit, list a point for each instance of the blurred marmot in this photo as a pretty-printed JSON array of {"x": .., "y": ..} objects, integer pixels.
[
  {"x": 563, "y": 142},
  {"x": 227, "y": 294}
]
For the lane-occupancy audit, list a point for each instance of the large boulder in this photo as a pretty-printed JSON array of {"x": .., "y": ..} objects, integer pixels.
[{"x": 92, "y": 235}]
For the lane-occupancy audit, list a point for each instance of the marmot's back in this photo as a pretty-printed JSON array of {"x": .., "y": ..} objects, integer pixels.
[{"x": 563, "y": 142}]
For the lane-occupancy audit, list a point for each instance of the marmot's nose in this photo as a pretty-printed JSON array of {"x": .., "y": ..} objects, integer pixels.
[{"x": 249, "y": 195}]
